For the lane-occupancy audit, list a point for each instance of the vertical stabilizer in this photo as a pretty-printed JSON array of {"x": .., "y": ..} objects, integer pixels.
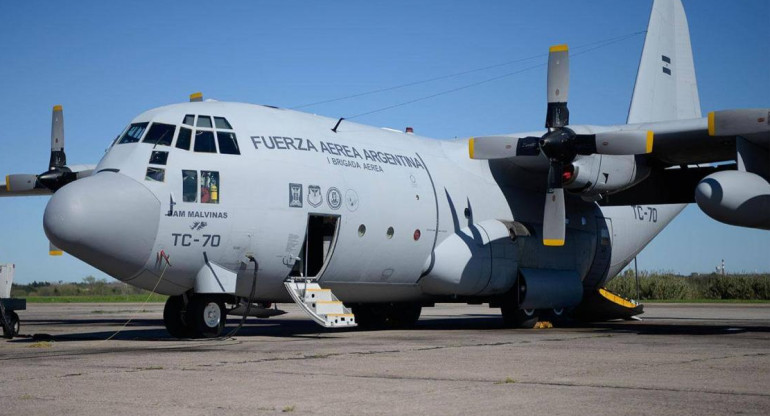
[{"x": 665, "y": 87}]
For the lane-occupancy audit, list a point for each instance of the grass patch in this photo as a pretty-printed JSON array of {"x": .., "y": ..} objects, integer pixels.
[
  {"x": 288, "y": 409},
  {"x": 41, "y": 344},
  {"x": 154, "y": 298},
  {"x": 707, "y": 301}
]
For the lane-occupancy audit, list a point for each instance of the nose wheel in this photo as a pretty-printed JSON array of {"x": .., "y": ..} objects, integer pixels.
[{"x": 202, "y": 316}]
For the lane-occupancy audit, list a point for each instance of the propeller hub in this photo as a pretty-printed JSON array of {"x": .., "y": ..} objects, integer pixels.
[{"x": 559, "y": 145}]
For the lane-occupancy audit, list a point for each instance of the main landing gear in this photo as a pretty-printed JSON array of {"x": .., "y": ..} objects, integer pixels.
[
  {"x": 197, "y": 316},
  {"x": 387, "y": 315}
]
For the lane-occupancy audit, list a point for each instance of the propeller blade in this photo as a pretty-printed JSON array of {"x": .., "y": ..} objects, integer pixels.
[
  {"x": 20, "y": 182},
  {"x": 53, "y": 250},
  {"x": 739, "y": 122},
  {"x": 554, "y": 211},
  {"x": 501, "y": 147},
  {"x": 58, "y": 158},
  {"x": 625, "y": 142},
  {"x": 557, "y": 87}
]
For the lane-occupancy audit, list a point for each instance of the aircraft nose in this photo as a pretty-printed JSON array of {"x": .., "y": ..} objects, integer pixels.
[{"x": 108, "y": 220}]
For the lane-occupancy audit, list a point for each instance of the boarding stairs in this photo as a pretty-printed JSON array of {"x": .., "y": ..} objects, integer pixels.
[{"x": 320, "y": 304}]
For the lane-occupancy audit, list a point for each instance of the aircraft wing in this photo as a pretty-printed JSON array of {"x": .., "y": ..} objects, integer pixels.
[{"x": 709, "y": 139}]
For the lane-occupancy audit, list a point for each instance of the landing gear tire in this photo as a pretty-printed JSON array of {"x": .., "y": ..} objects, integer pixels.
[
  {"x": 208, "y": 316},
  {"x": 14, "y": 324},
  {"x": 514, "y": 317},
  {"x": 403, "y": 315},
  {"x": 387, "y": 316},
  {"x": 367, "y": 317},
  {"x": 174, "y": 317}
]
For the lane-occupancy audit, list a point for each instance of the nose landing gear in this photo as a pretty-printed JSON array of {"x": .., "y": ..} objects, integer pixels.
[{"x": 197, "y": 316}]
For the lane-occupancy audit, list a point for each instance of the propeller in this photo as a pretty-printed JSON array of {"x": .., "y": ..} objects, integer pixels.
[
  {"x": 559, "y": 144},
  {"x": 58, "y": 174}
]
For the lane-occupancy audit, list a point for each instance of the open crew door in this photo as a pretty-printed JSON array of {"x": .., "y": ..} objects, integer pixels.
[
  {"x": 320, "y": 239},
  {"x": 319, "y": 303}
]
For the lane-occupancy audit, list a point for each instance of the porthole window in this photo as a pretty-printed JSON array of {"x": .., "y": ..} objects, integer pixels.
[
  {"x": 361, "y": 230},
  {"x": 390, "y": 232}
]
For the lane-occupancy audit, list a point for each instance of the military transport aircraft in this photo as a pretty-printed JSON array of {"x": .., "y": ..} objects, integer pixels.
[{"x": 221, "y": 204}]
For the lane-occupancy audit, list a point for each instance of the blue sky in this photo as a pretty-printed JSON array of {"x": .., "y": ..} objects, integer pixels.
[{"x": 106, "y": 62}]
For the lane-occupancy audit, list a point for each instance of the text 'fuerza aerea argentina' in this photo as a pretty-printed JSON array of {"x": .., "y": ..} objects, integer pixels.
[{"x": 334, "y": 149}]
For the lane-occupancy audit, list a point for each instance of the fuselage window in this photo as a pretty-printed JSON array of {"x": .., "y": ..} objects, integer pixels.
[
  {"x": 158, "y": 158},
  {"x": 204, "y": 142},
  {"x": 134, "y": 133},
  {"x": 189, "y": 185},
  {"x": 160, "y": 134},
  {"x": 222, "y": 123},
  {"x": 227, "y": 143},
  {"x": 209, "y": 187},
  {"x": 189, "y": 119},
  {"x": 184, "y": 139},
  {"x": 155, "y": 174},
  {"x": 204, "y": 121}
]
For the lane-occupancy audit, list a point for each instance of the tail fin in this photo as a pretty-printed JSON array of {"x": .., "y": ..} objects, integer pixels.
[{"x": 665, "y": 87}]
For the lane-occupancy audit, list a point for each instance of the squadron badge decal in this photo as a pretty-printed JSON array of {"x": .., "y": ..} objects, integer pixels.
[{"x": 314, "y": 197}]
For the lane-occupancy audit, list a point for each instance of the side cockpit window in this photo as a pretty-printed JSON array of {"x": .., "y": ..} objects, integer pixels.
[
  {"x": 189, "y": 185},
  {"x": 209, "y": 186},
  {"x": 160, "y": 134},
  {"x": 134, "y": 133},
  {"x": 227, "y": 143}
]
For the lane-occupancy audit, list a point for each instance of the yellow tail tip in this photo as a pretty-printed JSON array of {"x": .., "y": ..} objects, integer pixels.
[
  {"x": 559, "y": 48},
  {"x": 553, "y": 242},
  {"x": 196, "y": 96},
  {"x": 55, "y": 253},
  {"x": 712, "y": 125},
  {"x": 471, "y": 142},
  {"x": 57, "y": 108}
]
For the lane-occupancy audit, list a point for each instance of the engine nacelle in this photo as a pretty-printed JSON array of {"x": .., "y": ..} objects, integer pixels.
[
  {"x": 602, "y": 174},
  {"x": 736, "y": 198}
]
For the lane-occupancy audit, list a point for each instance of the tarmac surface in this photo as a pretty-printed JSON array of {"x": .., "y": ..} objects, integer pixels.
[{"x": 704, "y": 359}]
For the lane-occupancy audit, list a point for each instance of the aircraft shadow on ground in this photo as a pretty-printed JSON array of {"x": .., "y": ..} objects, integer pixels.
[{"x": 153, "y": 330}]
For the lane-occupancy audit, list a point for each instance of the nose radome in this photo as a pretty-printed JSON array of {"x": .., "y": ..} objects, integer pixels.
[{"x": 108, "y": 220}]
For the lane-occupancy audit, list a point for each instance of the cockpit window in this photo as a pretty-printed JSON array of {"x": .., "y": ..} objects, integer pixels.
[
  {"x": 189, "y": 185},
  {"x": 204, "y": 142},
  {"x": 134, "y": 133},
  {"x": 222, "y": 123},
  {"x": 189, "y": 119},
  {"x": 184, "y": 139},
  {"x": 204, "y": 121},
  {"x": 209, "y": 187},
  {"x": 160, "y": 134},
  {"x": 155, "y": 174},
  {"x": 227, "y": 143}
]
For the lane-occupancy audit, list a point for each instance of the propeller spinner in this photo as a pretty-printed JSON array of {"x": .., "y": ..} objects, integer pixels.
[{"x": 559, "y": 144}]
